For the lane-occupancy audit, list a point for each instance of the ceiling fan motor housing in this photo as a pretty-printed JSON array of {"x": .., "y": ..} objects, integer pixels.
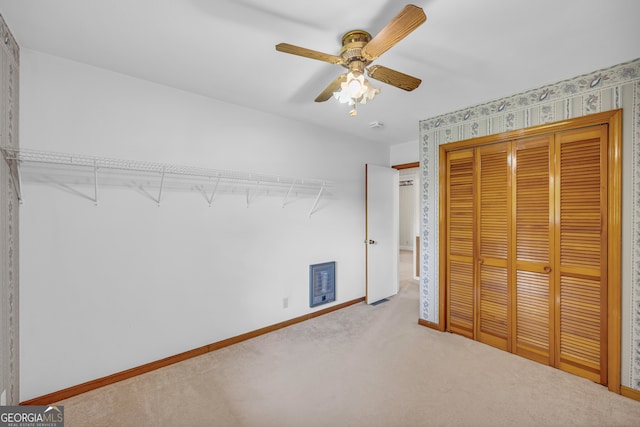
[{"x": 351, "y": 53}]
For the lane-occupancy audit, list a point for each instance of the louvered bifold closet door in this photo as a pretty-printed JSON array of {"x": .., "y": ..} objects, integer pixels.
[
  {"x": 460, "y": 219},
  {"x": 494, "y": 219},
  {"x": 533, "y": 321},
  {"x": 581, "y": 244}
]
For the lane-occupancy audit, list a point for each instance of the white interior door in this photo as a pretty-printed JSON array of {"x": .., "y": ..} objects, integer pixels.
[{"x": 381, "y": 240}]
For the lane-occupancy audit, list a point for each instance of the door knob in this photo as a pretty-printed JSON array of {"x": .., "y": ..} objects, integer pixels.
[
  {"x": 371, "y": 242},
  {"x": 547, "y": 269}
]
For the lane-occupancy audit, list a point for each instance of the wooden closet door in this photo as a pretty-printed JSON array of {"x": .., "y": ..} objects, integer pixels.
[
  {"x": 533, "y": 296},
  {"x": 460, "y": 218},
  {"x": 581, "y": 245},
  {"x": 494, "y": 220}
]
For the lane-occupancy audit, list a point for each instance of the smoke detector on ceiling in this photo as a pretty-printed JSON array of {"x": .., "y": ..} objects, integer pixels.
[{"x": 376, "y": 125}]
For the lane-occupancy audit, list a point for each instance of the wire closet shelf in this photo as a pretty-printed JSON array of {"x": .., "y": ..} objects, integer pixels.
[{"x": 252, "y": 182}]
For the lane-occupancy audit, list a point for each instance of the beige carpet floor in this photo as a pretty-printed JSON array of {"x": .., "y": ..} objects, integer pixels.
[{"x": 360, "y": 366}]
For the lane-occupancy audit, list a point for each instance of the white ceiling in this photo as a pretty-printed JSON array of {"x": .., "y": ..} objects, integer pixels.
[{"x": 468, "y": 52}]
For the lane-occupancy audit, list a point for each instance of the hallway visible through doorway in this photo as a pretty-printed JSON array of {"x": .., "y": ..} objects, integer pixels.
[{"x": 408, "y": 282}]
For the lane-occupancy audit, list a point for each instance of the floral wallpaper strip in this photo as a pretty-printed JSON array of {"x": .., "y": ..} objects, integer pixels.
[
  {"x": 603, "y": 90},
  {"x": 9, "y": 342},
  {"x": 634, "y": 305}
]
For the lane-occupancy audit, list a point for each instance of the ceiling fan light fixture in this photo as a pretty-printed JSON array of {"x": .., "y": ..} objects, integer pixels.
[{"x": 355, "y": 90}]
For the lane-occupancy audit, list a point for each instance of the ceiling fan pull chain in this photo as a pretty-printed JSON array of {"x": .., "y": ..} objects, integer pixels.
[{"x": 354, "y": 111}]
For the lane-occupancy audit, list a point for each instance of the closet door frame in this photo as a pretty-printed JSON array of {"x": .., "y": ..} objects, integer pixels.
[{"x": 613, "y": 120}]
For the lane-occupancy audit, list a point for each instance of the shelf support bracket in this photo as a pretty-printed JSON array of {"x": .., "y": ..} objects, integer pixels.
[
  {"x": 315, "y": 203},
  {"x": 213, "y": 193},
  {"x": 95, "y": 183},
  {"x": 161, "y": 186},
  {"x": 14, "y": 171},
  {"x": 17, "y": 182},
  {"x": 251, "y": 197},
  {"x": 284, "y": 202}
]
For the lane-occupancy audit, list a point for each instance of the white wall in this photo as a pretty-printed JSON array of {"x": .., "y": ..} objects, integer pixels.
[
  {"x": 401, "y": 154},
  {"x": 106, "y": 288}
]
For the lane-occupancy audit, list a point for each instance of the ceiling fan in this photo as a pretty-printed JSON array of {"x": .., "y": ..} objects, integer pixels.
[{"x": 359, "y": 50}]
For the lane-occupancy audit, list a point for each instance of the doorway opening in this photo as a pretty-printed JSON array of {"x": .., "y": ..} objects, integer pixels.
[{"x": 409, "y": 224}]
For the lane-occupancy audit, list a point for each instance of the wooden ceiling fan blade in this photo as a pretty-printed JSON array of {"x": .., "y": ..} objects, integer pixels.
[
  {"x": 394, "y": 78},
  {"x": 409, "y": 18},
  {"x": 308, "y": 53},
  {"x": 334, "y": 86}
]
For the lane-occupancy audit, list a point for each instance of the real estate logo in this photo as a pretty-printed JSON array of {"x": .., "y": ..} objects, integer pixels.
[{"x": 32, "y": 416}]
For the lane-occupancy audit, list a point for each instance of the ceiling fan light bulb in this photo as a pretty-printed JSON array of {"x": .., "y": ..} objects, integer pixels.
[
  {"x": 342, "y": 96},
  {"x": 372, "y": 92},
  {"x": 355, "y": 84},
  {"x": 356, "y": 87}
]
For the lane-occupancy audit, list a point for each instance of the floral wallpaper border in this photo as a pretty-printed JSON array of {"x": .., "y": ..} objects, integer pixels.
[
  {"x": 602, "y": 90},
  {"x": 9, "y": 265}
]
